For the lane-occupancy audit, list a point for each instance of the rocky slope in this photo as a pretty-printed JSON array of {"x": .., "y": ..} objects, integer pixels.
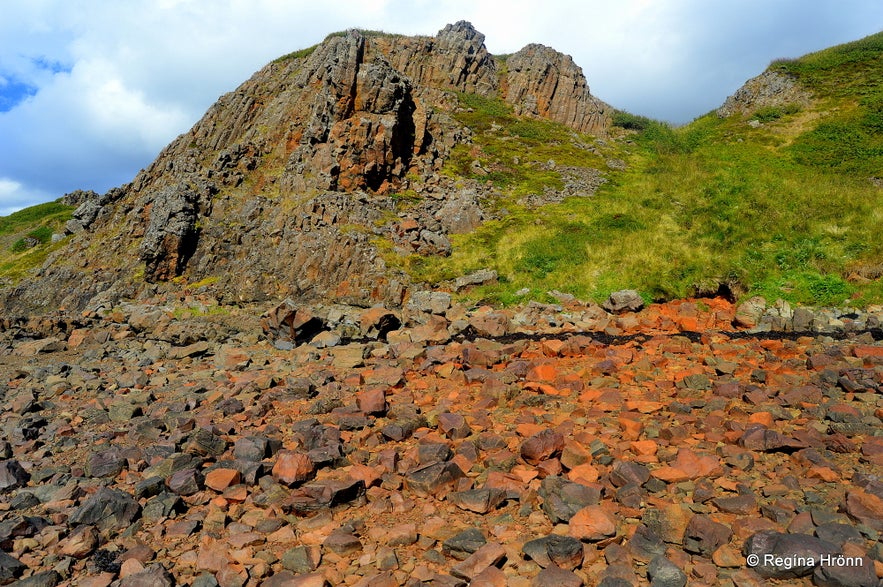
[{"x": 287, "y": 184}]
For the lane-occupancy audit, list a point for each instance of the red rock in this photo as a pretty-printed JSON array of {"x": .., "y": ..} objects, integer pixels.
[
  {"x": 865, "y": 351},
  {"x": 220, "y": 479},
  {"x": 592, "y": 523},
  {"x": 292, "y": 468},
  {"x": 541, "y": 446},
  {"x": 372, "y": 401}
]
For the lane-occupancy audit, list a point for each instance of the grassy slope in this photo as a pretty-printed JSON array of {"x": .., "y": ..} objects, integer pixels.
[
  {"x": 784, "y": 210},
  {"x": 37, "y": 222}
]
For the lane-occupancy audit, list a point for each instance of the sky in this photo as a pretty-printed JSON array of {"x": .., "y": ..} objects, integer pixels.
[{"x": 91, "y": 91}]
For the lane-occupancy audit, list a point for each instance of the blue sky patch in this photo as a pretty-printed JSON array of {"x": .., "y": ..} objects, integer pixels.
[{"x": 13, "y": 92}]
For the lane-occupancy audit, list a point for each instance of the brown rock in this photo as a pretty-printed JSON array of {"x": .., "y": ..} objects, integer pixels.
[
  {"x": 866, "y": 508},
  {"x": 81, "y": 543},
  {"x": 488, "y": 555},
  {"x": 541, "y": 446},
  {"x": 543, "y": 82},
  {"x": 558, "y": 577}
]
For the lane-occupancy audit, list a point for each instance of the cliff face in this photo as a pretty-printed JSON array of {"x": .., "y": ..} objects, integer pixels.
[{"x": 283, "y": 187}]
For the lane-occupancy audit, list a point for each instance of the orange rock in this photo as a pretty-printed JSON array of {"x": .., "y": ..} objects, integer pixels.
[
  {"x": 631, "y": 429},
  {"x": 292, "y": 468},
  {"x": 670, "y": 474},
  {"x": 585, "y": 474},
  {"x": 645, "y": 407},
  {"x": 763, "y": 418},
  {"x": 220, "y": 479},
  {"x": 592, "y": 523},
  {"x": 865, "y": 351},
  {"x": 544, "y": 372},
  {"x": 644, "y": 447},
  {"x": 824, "y": 473}
]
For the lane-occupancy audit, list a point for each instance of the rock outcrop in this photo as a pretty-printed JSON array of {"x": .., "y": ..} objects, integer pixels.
[
  {"x": 545, "y": 83},
  {"x": 769, "y": 89}
]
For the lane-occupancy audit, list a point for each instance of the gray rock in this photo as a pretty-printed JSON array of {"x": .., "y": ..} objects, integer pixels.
[
  {"x": 477, "y": 278},
  {"x": 563, "y": 498},
  {"x": 44, "y": 579},
  {"x": 170, "y": 237},
  {"x": 464, "y": 543},
  {"x": 664, "y": 573},
  {"x": 562, "y": 551},
  {"x": 12, "y": 476},
  {"x": 154, "y": 575},
  {"x": 626, "y": 300},
  {"x": 786, "y": 556},
  {"x": 840, "y": 571},
  {"x": 10, "y": 567},
  {"x": 108, "y": 509},
  {"x": 105, "y": 463}
]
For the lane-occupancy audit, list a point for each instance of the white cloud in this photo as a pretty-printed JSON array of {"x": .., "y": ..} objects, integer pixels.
[{"x": 13, "y": 196}]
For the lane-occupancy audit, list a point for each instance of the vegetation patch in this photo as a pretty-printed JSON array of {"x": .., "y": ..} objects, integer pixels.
[{"x": 713, "y": 202}]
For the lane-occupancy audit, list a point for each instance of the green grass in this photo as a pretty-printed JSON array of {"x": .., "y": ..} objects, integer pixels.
[
  {"x": 38, "y": 222},
  {"x": 35, "y": 214},
  {"x": 787, "y": 210}
]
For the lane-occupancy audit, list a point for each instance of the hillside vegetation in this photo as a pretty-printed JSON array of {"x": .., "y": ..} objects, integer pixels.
[
  {"x": 789, "y": 208},
  {"x": 26, "y": 238}
]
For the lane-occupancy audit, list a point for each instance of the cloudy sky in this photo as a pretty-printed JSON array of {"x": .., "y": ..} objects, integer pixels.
[{"x": 90, "y": 91}]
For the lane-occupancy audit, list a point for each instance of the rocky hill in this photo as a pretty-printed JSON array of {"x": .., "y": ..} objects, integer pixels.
[{"x": 288, "y": 184}]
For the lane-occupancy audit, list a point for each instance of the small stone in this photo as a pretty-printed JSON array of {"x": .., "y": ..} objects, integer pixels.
[
  {"x": 541, "y": 446},
  {"x": 185, "y": 482},
  {"x": 704, "y": 536},
  {"x": 12, "y": 476},
  {"x": 592, "y": 523},
  {"x": 108, "y": 509},
  {"x": 562, "y": 551},
  {"x": 480, "y": 501},
  {"x": 292, "y": 468},
  {"x": 626, "y": 300},
  {"x": 222, "y": 478},
  {"x": 433, "y": 479},
  {"x": 488, "y": 555},
  {"x": 558, "y": 577},
  {"x": 154, "y": 575},
  {"x": 461, "y": 545},
  {"x": 81, "y": 542},
  {"x": 342, "y": 543},
  {"x": 664, "y": 573},
  {"x": 372, "y": 402},
  {"x": 774, "y": 555},
  {"x": 453, "y": 426}
]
